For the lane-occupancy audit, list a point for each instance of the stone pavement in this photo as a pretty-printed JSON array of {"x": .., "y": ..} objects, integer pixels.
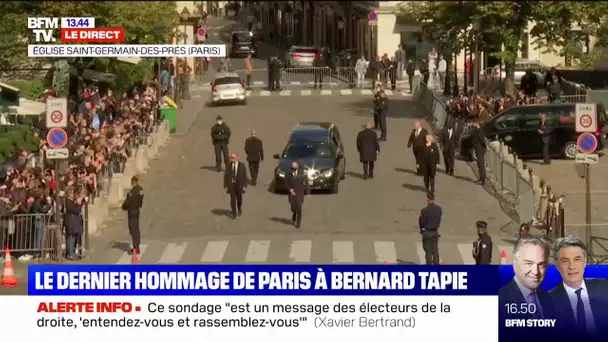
[{"x": 185, "y": 206}]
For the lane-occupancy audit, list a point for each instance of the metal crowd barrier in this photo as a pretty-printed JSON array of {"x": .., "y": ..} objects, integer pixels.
[
  {"x": 34, "y": 234},
  {"x": 308, "y": 76}
]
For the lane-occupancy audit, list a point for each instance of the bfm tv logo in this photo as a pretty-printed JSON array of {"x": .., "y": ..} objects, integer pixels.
[{"x": 74, "y": 30}]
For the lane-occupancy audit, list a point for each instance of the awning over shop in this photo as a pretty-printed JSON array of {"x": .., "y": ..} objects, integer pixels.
[{"x": 403, "y": 24}]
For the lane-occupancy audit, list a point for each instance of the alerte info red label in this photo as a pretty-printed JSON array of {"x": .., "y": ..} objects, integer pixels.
[{"x": 93, "y": 35}]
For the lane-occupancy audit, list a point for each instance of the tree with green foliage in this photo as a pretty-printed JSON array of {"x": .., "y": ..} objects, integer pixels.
[{"x": 554, "y": 23}]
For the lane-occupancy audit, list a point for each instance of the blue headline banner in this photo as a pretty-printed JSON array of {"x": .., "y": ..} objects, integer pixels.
[{"x": 247, "y": 280}]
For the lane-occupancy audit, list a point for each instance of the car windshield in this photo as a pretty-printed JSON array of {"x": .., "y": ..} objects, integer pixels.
[
  {"x": 242, "y": 37},
  {"x": 303, "y": 50},
  {"x": 308, "y": 150},
  {"x": 227, "y": 80}
]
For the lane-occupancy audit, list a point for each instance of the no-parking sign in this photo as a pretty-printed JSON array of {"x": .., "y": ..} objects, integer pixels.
[
  {"x": 56, "y": 112},
  {"x": 586, "y": 117}
]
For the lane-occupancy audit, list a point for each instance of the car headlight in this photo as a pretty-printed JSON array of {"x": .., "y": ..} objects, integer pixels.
[
  {"x": 280, "y": 173},
  {"x": 328, "y": 173}
]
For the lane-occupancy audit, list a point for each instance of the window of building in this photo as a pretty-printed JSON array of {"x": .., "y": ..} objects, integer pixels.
[{"x": 288, "y": 24}]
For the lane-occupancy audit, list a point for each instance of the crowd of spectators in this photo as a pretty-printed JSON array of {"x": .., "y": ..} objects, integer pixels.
[
  {"x": 103, "y": 130},
  {"x": 482, "y": 107}
]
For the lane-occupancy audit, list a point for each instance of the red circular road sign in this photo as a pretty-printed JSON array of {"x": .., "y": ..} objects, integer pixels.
[
  {"x": 56, "y": 116},
  {"x": 372, "y": 16},
  {"x": 585, "y": 120},
  {"x": 587, "y": 143}
]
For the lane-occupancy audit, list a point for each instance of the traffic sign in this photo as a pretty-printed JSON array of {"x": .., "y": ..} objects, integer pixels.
[
  {"x": 586, "y": 117},
  {"x": 372, "y": 18},
  {"x": 57, "y": 137},
  {"x": 587, "y": 143},
  {"x": 56, "y": 112},
  {"x": 201, "y": 33},
  {"x": 57, "y": 153},
  {"x": 583, "y": 158}
]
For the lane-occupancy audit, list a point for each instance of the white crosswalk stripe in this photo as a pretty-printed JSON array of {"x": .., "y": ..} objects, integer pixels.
[
  {"x": 285, "y": 93},
  {"x": 306, "y": 92},
  {"x": 346, "y": 92},
  {"x": 248, "y": 93},
  {"x": 316, "y": 250},
  {"x": 257, "y": 251},
  {"x": 215, "y": 251},
  {"x": 258, "y": 82},
  {"x": 325, "y": 92},
  {"x": 295, "y": 82},
  {"x": 366, "y": 92},
  {"x": 265, "y": 93},
  {"x": 126, "y": 256},
  {"x": 466, "y": 253},
  {"x": 300, "y": 251},
  {"x": 172, "y": 253},
  {"x": 385, "y": 251},
  {"x": 388, "y": 92}
]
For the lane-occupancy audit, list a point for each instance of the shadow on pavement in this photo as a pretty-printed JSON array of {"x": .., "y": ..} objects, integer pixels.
[
  {"x": 222, "y": 212},
  {"x": 281, "y": 220},
  {"x": 413, "y": 187}
]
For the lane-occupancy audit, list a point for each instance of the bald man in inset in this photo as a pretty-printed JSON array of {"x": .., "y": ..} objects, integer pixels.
[
  {"x": 255, "y": 154},
  {"x": 368, "y": 148}
]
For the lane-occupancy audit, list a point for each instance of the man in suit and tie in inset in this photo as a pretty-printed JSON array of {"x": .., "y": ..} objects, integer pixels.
[
  {"x": 417, "y": 141},
  {"x": 581, "y": 303},
  {"x": 530, "y": 261},
  {"x": 449, "y": 141},
  {"x": 255, "y": 154},
  {"x": 235, "y": 183},
  {"x": 297, "y": 183}
]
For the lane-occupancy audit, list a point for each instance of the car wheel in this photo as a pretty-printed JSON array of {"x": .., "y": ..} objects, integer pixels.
[
  {"x": 343, "y": 175},
  {"x": 335, "y": 188},
  {"x": 570, "y": 150},
  {"x": 273, "y": 187}
]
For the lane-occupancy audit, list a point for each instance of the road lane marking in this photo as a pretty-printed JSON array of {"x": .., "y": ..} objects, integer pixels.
[
  {"x": 214, "y": 252},
  {"x": 295, "y": 82},
  {"x": 248, "y": 93},
  {"x": 385, "y": 251},
  {"x": 258, "y": 82},
  {"x": 285, "y": 93},
  {"x": 366, "y": 92},
  {"x": 421, "y": 254},
  {"x": 325, "y": 92},
  {"x": 346, "y": 92},
  {"x": 306, "y": 92},
  {"x": 125, "y": 259},
  {"x": 343, "y": 252},
  {"x": 257, "y": 251},
  {"x": 388, "y": 92},
  {"x": 264, "y": 93},
  {"x": 173, "y": 253},
  {"x": 466, "y": 253},
  {"x": 300, "y": 251}
]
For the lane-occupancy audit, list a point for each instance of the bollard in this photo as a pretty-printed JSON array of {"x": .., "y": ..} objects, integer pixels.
[
  {"x": 128, "y": 172},
  {"x": 141, "y": 159},
  {"x": 92, "y": 218},
  {"x": 543, "y": 204}
]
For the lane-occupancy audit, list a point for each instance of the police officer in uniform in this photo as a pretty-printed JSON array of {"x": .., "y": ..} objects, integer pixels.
[
  {"x": 482, "y": 248},
  {"x": 132, "y": 204},
  {"x": 479, "y": 145},
  {"x": 255, "y": 154},
  {"x": 429, "y": 222},
  {"x": 220, "y": 137},
  {"x": 380, "y": 110}
]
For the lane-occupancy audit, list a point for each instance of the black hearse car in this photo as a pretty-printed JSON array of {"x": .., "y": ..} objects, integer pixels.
[
  {"x": 318, "y": 147},
  {"x": 518, "y": 128}
]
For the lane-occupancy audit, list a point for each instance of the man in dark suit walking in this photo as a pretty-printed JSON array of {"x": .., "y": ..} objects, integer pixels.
[
  {"x": 545, "y": 131},
  {"x": 478, "y": 137},
  {"x": 255, "y": 154},
  {"x": 417, "y": 141},
  {"x": 368, "y": 147},
  {"x": 235, "y": 183},
  {"x": 530, "y": 261},
  {"x": 297, "y": 184},
  {"x": 449, "y": 141},
  {"x": 581, "y": 303}
]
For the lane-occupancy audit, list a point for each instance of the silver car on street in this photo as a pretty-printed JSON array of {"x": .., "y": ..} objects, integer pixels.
[
  {"x": 228, "y": 88},
  {"x": 301, "y": 57}
]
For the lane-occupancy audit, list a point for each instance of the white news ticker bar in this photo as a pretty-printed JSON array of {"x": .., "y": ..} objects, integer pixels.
[
  {"x": 77, "y": 22},
  {"x": 128, "y": 51}
]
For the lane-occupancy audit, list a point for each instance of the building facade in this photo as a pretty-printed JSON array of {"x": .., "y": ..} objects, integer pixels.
[{"x": 333, "y": 24}]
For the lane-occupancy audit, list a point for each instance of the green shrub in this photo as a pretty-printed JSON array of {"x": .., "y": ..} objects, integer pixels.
[{"x": 29, "y": 89}]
